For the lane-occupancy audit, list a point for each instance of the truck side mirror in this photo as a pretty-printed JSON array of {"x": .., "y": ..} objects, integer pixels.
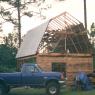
[{"x": 32, "y": 70}]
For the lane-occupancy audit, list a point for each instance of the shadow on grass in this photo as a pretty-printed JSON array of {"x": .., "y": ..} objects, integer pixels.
[
  {"x": 27, "y": 91},
  {"x": 31, "y": 91},
  {"x": 64, "y": 91},
  {"x": 25, "y": 94}
]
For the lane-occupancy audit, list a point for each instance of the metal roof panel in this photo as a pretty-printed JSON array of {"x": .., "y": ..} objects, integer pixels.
[{"x": 31, "y": 41}]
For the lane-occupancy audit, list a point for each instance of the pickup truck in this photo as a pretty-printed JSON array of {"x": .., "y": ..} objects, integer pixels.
[{"x": 33, "y": 76}]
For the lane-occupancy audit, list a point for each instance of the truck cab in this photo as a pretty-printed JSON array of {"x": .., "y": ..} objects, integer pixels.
[{"x": 33, "y": 76}]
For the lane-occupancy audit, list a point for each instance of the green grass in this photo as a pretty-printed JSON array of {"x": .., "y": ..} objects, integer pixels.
[{"x": 64, "y": 91}]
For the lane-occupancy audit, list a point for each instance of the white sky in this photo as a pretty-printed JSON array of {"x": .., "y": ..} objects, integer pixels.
[{"x": 74, "y": 7}]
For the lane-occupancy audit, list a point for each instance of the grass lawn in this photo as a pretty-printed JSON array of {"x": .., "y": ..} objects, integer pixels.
[{"x": 30, "y": 91}]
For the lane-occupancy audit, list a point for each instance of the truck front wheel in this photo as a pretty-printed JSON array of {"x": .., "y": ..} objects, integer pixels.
[
  {"x": 2, "y": 90},
  {"x": 53, "y": 88}
]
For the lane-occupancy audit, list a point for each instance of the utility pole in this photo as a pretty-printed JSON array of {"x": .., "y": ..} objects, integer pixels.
[
  {"x": 19, "y": 21},
  {"x": 85, "y": 15}
]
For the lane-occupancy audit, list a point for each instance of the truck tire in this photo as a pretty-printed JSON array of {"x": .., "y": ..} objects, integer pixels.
[
  {"x": 2, "y": 90},
  {"x": 7, "y": 89},
  {"x": 53, "y": 88}
]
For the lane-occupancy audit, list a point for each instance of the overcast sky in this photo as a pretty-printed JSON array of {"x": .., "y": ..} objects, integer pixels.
[{"x": 74, "y": 7}]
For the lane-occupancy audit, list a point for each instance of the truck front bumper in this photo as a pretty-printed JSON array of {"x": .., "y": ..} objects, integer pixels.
[{"x": 62, "y": 83}]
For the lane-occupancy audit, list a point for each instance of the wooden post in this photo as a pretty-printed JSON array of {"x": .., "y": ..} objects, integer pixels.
[
  {"x": 85, "y": 15},
  {"x": 19, "y": 21}
]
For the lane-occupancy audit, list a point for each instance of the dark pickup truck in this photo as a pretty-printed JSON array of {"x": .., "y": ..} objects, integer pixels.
[{"x": 33, "y": 76}]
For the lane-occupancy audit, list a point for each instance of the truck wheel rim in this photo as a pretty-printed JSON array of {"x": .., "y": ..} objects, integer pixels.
[{"x": 52, "y": 90}]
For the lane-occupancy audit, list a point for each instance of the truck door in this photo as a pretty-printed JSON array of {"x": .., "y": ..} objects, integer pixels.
[{"x": 31, "y": 76}]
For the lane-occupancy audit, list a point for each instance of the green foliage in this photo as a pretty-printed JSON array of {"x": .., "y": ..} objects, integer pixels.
[
  {"x": 12, "y": 40},
  {"x": 6, "y": 69},
  {"x": 7, "y": 57},
  {"x": 94, "y": 58},
  {"x": 8, "y": 53},
  {"x": 92, "y": 34}
]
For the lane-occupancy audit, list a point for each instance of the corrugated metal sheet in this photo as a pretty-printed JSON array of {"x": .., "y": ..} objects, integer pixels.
[{"x": 31, "y": 41}]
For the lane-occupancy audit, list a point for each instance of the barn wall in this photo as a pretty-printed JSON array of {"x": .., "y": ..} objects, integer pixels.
[{"x": 74, "y": 63}]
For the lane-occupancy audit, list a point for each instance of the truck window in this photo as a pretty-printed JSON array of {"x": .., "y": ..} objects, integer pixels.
[{"x": 27, "y": 69}]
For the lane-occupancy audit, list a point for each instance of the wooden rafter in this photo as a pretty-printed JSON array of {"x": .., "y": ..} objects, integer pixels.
[{"x": 66, "y": 26}]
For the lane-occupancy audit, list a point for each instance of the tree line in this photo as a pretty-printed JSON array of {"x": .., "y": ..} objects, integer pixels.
[{"x": 8, "y": 52}]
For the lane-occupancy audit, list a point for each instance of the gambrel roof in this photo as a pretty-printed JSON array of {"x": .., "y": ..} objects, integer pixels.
[{"x": 63, "y": 33}]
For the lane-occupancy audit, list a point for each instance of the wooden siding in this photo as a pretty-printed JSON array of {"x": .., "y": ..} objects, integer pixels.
[{"x": 74, "y": 63}]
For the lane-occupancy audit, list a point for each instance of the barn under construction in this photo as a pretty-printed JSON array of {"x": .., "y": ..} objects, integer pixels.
[{"x": 59, "y": 44}]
